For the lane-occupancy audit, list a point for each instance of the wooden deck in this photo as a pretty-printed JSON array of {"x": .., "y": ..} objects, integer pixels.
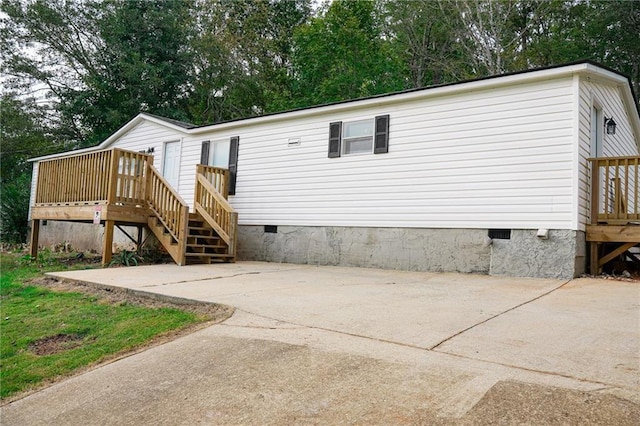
[
  {"x": 615, "y": 213},
  {"x": 122, "y": 188}
]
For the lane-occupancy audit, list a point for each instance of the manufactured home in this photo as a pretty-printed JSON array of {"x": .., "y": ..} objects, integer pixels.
[{"x": 526, "y": 174}]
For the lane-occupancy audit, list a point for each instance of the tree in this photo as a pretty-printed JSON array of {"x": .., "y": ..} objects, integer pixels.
[
  {"x": 101, "y": 61},
  {"x": 424, "y": 39},
  {"x": 341, "y": 55},
  {"x": 243, "y": 57},
  {"x": 23, "y": 136}
]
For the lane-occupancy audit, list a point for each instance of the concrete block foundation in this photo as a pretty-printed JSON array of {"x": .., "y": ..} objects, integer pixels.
[{"x": 418, "y": 249}]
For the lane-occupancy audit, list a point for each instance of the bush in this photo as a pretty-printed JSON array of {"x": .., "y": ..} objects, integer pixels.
[{"x": 14, "y": 209}]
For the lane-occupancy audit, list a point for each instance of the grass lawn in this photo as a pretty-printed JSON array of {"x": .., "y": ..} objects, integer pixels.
[{"x": 46, "y": 334}]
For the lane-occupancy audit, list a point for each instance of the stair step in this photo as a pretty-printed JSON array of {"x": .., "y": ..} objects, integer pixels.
[
  {"x": 215, "y": 255},
  {"x": 212, "y": 246},
  {"x": 206, "y": 239}
]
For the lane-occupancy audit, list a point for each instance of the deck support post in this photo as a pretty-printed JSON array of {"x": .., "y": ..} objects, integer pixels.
[
  {"x": 593, "y": 261},
  {"x": 140, "y": 241},
  {"x": 107, "y": 242},
  {"x": 35, "y": 234}
]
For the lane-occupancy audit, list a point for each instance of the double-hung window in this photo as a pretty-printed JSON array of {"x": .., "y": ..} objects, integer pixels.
[{"x": 359, "y": 137}]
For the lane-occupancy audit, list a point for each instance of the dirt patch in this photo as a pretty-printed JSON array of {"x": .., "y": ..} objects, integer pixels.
[
  {"x": 55, "y": 344},
  {"x": 213, "y": 312},
  {"x": 515, "y": 403}
]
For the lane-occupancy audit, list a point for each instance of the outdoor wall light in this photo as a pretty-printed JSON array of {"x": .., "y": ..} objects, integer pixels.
[{"x": 610, "y": 125}]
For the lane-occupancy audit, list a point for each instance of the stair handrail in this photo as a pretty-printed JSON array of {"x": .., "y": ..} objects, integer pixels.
[
  {"x": 168, "y": 206},
  {"x": 217, "y": 176},
  {"x": 216, "y": 211}
]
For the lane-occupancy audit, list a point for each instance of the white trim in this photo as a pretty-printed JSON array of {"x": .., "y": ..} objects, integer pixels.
[{"x": 575, "y": 200}]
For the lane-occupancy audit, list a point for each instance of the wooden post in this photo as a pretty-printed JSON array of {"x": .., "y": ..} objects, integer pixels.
[
  {"x": 107, "y": 242},
  {"x": 233, "y": 235},
  {"x": 182, "y": 235},
  {"x": 113, "y": 176},
  {"x": 595, "y": 191},
  {"x": 35, "y": 233},
  {"x": 139, "y": 242},
  {"x": 593, "y": 260}
]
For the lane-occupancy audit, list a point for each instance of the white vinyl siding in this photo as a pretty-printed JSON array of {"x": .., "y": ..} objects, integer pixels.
[
  {"x": 148, "y": 135},
  {"x": 487, "y": 159},
  {"x": 606, "y": 97}
]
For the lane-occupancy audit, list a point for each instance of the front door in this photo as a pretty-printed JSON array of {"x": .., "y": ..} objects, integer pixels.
[{"x": 171, "y": 163}]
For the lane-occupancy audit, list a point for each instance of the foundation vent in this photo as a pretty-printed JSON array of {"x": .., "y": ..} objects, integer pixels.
[{"x": 500, "y": 234}]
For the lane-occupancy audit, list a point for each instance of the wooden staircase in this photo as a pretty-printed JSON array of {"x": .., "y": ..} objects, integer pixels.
[
  {"x": 116, "y": 187},
  {"x": 204, "y": 245},
  {"x": 205, "y": 236}
]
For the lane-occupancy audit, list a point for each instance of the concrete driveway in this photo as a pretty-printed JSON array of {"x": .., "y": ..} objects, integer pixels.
[{"x": 333, "y": 345}]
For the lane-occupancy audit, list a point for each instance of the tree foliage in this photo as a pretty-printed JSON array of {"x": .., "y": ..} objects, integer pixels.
[
  {"x": 23, "y": 135},
  {"x": 341, "y": 55}
]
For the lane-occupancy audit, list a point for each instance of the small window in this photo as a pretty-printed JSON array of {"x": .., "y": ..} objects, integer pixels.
[
  {"x": 357, "y": 137},
  {"x": 271, "y": 229}
]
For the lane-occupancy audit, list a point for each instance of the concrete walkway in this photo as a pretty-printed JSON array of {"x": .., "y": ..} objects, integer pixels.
[{"x": 332, "y": 345}]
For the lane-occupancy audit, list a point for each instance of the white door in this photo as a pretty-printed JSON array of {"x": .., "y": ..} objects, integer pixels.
[{"x": 171, "y": 163}]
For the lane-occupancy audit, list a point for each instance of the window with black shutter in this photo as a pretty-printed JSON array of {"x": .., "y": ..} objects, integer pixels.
[
  {"x": 204, "y": 153},
  {"x": 335, "y": 139},
  {"x": 381, "y": 143},
  {"x": 233, "y": 164},
  {"x": 359, "y": 137}
]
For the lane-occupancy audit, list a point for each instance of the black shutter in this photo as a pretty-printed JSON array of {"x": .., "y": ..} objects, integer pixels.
[
  {"x": 335, "y": 139},
  {"x": 233, "y": 164},
  {"x": 381, "y": 141},
  {"x": 204, "y": 153}
]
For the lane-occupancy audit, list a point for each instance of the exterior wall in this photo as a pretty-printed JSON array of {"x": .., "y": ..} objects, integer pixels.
[
  {"x": 498, "y": 158},
  {"x": 419, "y": 249},
  {"x": 606, "y": 97}
]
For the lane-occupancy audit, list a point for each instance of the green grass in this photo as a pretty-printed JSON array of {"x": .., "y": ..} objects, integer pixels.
[{"x": 29, "y": 313}]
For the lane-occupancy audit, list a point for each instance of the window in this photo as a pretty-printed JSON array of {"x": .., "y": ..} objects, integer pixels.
[
  {"x": 359, "y": 137},
  {"x": 222, "y": 154},
  {"x": 219, "y": 154},
  {"x": 215, "y": 153}
]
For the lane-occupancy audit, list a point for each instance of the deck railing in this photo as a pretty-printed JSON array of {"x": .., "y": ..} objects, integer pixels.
[
  {"x": 614, "y": 190},
  {"x": 216, "y": 211},
  {"x": 102, "y": 177},
  {"x": 217, "y": 176}
]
